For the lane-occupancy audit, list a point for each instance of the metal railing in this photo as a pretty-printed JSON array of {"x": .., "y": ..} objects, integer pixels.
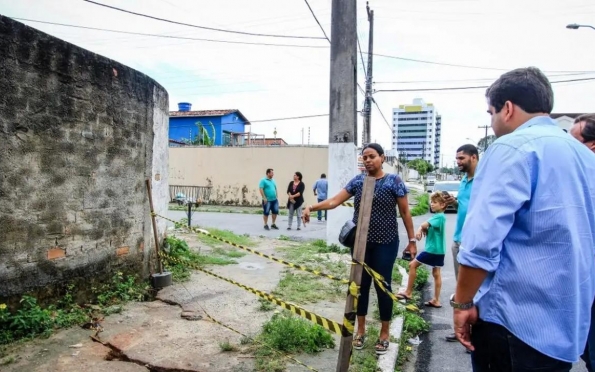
[{"x": 189, "y": 194}]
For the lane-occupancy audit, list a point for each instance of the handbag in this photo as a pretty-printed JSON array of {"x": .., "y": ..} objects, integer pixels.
[{"x": 347, "y": 234}]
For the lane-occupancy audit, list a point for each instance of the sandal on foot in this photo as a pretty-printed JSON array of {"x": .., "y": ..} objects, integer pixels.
[
  {"x": 431, "y": 304},
  {"x": 358, "y": 342},
  {"x": 381, "y": 347},
  {"x": 403, "y": 296}
]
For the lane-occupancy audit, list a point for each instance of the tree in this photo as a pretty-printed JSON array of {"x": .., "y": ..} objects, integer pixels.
[
  {"x": 485, "y": 142},
  {"x": 203, "y": 137},
  {"x": 421, "y": 166}
]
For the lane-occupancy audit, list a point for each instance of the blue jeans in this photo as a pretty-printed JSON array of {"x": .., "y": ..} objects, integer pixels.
[
  {"x": 589, "y": 354},
  {"x": 498, "y": 350},
  {"x": 381, "y": 258},
  {"x": 320, "y": 212},
  {"x": 271, "y": 206}
]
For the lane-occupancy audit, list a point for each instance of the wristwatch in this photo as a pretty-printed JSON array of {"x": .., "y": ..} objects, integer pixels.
[{"x": 457, "y": 305}]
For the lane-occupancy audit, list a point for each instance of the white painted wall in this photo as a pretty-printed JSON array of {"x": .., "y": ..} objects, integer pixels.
[
  {"x": 160, "y": 176},
  {"x": 342, "y": 165}
]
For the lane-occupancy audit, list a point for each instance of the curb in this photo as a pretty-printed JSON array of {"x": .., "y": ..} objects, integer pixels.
[{"x": 387, "y": 362}]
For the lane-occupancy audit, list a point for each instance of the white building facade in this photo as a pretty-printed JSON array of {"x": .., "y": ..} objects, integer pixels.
[{"x": 417, "y": 130}]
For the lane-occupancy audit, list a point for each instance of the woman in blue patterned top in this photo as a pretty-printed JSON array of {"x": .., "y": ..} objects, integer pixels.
[{"x": 383, "y": 236}]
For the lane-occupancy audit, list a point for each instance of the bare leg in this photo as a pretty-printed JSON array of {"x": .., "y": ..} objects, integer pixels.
[
  {"x": 265, "y": 219},
  {"x": 437, "y": 285},
  {"x": 361, "y": 325},
  {"x": 384, "y": 330},
  {"x": 274, "y": 218},
  {"x": 413, "y": 265}
]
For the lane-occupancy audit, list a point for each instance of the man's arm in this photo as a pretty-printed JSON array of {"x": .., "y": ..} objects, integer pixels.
[{"x": 501, "y": 186}]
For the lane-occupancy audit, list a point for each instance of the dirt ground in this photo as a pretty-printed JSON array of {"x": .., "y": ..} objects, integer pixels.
[{"x": 153, "y": 336}]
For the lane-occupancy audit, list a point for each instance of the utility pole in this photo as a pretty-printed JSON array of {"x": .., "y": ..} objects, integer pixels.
[
  {"x": 368, "y": 101},
  {"x": 342, "y": 151},
  {"x": 485, "y": 139}
]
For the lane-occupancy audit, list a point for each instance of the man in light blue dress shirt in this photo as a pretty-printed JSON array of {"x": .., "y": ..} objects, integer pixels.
[
  {"x": 584, "y": 131},
  {"x": 527, "y": 258}
]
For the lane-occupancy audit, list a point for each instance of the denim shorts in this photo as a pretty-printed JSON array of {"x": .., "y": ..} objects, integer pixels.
[{"x": 271, "y": 206}]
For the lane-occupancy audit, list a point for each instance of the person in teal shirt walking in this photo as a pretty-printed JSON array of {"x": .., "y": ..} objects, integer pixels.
[
  {"x": 270, "y": 201},
  {"x": 433, "y": 255}
]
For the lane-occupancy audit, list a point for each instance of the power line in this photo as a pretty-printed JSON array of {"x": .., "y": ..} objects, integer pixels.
[
  {"x": 362, "y": 57},
  {"x": 197, "y": 26},
  {"x": 462, "y": 80},
  {"x": 289, "y": 118},
  {"x": 462, "y": 66},
  {"x": 381, "y": 114},
  {"x": 314, "y": 15},
  {"x": 467, "y": 88},
  {"x": 168, "y": 36}
]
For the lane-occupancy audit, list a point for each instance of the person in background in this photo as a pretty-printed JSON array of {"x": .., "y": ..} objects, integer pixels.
[
  {"x": 584, "y": 131},
  {"x": 270, "y": 202},
  {"x": 320, "y": 191},
  {"x": 467, "y": 157},
  {"x": 382, "y": 245},
  {"x": 434, "y": 251},
  {"x": 295, "y": 194},
  {"x": 526, "y": 278}
]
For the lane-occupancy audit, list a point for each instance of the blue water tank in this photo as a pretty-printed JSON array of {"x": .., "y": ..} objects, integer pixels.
[{"x": 184, "y": 106}]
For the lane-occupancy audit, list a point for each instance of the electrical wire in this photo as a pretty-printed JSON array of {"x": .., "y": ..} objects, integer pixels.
[
  {"x": 362, "y": 57},
  {"x": 466, "y": 80},
  {"x": 197, "y": 26},
  {"x": 381, "y": 114},
  {"x": 468, "y": 88},
  {"x": 169, "y": 36},
  {"x": 462, "y": 66},
  {"x": 314, "y": 15}
]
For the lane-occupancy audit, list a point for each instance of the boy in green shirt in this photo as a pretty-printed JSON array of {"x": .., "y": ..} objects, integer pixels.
[{"x": 435, "y": 249}]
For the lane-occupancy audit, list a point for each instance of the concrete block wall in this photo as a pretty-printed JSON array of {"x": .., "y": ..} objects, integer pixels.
[{"x": 78, "y": 137}]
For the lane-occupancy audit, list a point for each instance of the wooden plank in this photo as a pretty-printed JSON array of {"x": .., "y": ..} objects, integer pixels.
[{"x": 359, "y": 252}]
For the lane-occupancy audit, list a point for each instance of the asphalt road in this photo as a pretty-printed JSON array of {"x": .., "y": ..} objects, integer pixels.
[{"x": 434, "y": 353}]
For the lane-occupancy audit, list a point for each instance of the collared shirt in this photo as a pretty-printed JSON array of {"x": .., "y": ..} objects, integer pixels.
[
  {"x": 321, "y": 188},
  {"x": 269, "y": 188},
  {"x": 463, "y": 197},
  {"x": 531, "y": 226}
]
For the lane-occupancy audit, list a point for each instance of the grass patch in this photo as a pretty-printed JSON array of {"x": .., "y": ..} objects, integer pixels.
[
  {"x": 226, "y": 346},
  {"x": 227, "y": 235},
  {"x": 288, "y": 334},
  {"x": 31, "y": 320},
  {"x": 423, "y": 205},
  {"x": 301, "y": 287},
  {"x": 265, "y": 305},
  {"x": 179, "y": 250},
  {"x": 422, "y": 277}
]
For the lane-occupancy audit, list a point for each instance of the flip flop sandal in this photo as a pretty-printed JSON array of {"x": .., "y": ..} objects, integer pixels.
[
  {"x": 431, "y": 304},
  {"x": 381, "y": 347},
  {"x": 403, "y": 296},
  {"x": 358, "y": 342}
]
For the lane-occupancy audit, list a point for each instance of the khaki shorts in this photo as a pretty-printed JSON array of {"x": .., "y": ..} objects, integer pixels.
[{"x": 455, "y": 252}]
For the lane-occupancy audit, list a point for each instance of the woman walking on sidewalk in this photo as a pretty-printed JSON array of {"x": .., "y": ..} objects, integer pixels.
[
  {"x": 295, "y": 193},
  {"x": 383, "y": 236}
]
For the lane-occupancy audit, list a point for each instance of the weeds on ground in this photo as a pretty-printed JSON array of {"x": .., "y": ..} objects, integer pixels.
[
  {"x": 288, "y": 334},
  {"x": 186, "y": 258},
  {"x": 265, "y": 305},
  {"x": 423, "y": 274},
  {"x": 423, "y": 205},
  {"x": 226, "y": 346},
  {"x": 31, "y": 320},
  {"x": 227, "y": 235},
  {"x": 303, "y": 287}
]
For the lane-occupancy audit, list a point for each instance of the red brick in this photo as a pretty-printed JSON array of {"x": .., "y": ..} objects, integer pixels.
[
  {"x": 122, "y": 251},
  {"x": 55, "y": 253}
]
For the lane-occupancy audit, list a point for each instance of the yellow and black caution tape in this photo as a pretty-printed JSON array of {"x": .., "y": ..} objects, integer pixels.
[
  {"x": 348, "y": 204},
  {"x": 325, "y": 323},
  {"x": 256, "y": 341},
  {"x": 379, "y": 279},
  {"x": 258, "y": 253},
  {"x": 349, "y": 318}
]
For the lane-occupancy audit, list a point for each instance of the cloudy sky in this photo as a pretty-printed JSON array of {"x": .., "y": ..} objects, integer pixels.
[{"x": 269, "y": 82}]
